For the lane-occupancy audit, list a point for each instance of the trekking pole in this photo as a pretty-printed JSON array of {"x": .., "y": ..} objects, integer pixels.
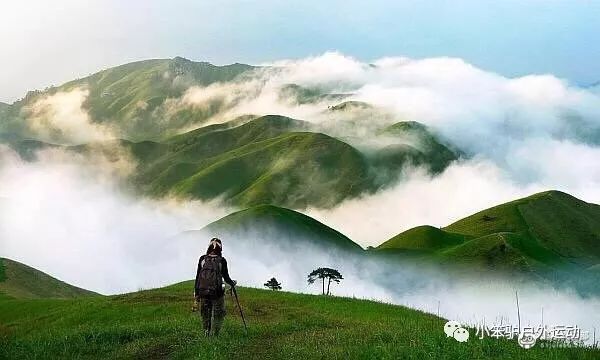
[{"x": 237, "y": 301}]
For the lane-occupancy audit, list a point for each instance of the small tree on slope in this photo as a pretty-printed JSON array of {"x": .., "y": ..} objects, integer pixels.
[
  {"x": 325, "y": 273},
  {"x": 273, "y": 284}
]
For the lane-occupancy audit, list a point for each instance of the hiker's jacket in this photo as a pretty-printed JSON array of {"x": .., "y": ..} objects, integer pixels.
[{"x": 224, "y": 273}]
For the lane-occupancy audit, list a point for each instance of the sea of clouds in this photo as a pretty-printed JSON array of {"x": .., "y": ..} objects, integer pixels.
[
  {"x": 73, "y": 216},
  {"x": 519, "y": 135}
]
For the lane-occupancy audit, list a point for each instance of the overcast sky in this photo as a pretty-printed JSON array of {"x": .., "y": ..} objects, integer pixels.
[{"x": 48, "y": 42}]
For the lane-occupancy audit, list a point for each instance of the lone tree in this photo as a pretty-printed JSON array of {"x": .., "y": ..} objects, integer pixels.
[
  {"x": 273, "y": 284},
  {"x": 325, "y": 273}
]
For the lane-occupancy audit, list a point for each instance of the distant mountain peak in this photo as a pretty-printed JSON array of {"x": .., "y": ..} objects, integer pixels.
[{"x": 181, "y": 58}]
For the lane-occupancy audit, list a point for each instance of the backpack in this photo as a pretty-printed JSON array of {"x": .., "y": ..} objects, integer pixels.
[{"x": 210, "y": 281}]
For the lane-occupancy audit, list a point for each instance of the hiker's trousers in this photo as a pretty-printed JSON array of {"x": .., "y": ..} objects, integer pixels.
[{"x": 213, "y": 313}]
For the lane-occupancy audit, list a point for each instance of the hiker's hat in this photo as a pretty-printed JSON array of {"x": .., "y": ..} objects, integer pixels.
[{"x": 216, "y": 242}]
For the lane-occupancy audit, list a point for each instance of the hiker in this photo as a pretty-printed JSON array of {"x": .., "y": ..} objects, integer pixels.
[{"x": 208, "y": 289}]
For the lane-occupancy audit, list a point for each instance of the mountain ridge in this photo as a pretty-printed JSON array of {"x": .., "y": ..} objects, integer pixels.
[
  {"x": 129, "y": 97},
  {"x": 252, "y": 160}
]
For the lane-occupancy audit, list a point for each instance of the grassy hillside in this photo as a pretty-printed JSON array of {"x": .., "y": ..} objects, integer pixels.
[
  {"x": 423, "y": 238},
  {"x": 130, "y": 97},
  {"x": 2, "y": 271},
  {"x": 551, "y": 234},
  {"x": 279, "y": 225},
  {"x": 250, "y": 161},
  {"x": 158, "y": 324},
  {"x": 565, "y": 226},
  {"x": 268, "y": 160},
  {"x": 416, "y": 144},
  {"x": 491, "y": 252},
  {"x": 277, "y": 160},
  {"x": 4, "y": 108},
  {"x": 21, "y": 281},
  {"x": 298, "y": 95},
  {"x": 390, "y": 147}
]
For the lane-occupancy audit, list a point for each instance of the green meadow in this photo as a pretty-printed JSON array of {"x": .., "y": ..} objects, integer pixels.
[{"x": 159, "y": 324}]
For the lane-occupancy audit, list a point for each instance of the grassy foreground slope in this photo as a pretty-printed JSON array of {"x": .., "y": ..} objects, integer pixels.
[
  {"x": 21, "y": 281},
  {"x": 158, "y": 324}
]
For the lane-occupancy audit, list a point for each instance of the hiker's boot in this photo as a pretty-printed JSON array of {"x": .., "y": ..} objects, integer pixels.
[{"x": 206, "y": 325}]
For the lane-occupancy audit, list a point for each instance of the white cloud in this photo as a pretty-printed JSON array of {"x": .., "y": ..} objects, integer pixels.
[
  {"x": 481, "y": 112},
  {"x": 420, "y": 199},
  {"x": 525, "y": 134},
  {"x": 467, "y": 187},
  {"x": 74, "y": 219},
  {"x": 61, "y": 117}
]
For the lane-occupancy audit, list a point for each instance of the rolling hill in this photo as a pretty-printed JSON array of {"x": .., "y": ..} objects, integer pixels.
[
  {"x": 158, "y": 324},
  {"x": 277, "y": 160},
  {"x": 550, "y": 234},
  {"x": 416, "y": 144},
  {"x": 512, "y": 239},
  {"x": 250, "y": 161},
  {"x": 23, "y": 282},
  {"x": 268, "y": 223},
  {"x": 423, "y": 238},
  {"x": 568, "y": 228},
  {"x": 269, "y": 160}
]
